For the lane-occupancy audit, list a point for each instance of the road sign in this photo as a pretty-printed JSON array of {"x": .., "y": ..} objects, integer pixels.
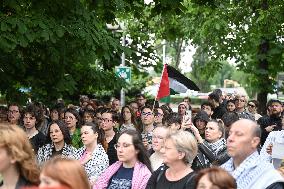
[{"x": 123, "y": 72}]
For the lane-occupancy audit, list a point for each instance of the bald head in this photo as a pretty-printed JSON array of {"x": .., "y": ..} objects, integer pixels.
[
  {"x": 243, "y": 140},
  {"x": 249, "y": 126}
]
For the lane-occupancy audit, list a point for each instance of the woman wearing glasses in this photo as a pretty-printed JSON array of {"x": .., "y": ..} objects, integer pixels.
[
  {"x": 158, "y": 137},
  {"x": 92, "y": 155},
  {"x": 213, "y": 149},
  {"x": 133, "y": 168},
  {"x": 252, "y": 108},
  {"x": 108, "y": 120}
]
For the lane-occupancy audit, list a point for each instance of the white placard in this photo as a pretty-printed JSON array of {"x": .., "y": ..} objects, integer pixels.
[{"x": 278, "y": 150}]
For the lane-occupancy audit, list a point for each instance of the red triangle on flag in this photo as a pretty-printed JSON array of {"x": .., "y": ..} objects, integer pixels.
[{"x": 164, "y": 88}]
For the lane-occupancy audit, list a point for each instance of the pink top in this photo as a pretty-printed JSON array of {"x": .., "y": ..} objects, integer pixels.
[
  {"x": 141, "y": 175},
  {"x": 83, "y": 156}
]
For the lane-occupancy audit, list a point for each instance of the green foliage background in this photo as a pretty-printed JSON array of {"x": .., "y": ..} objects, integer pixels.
[{"x": 63, "y": 48}]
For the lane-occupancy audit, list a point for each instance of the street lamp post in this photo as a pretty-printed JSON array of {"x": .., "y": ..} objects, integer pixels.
[
  {"x": 119, "y": 28},
  {"x": 122, "y": 92}
]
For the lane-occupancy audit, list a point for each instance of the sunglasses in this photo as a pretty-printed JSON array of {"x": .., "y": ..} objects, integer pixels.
[{"x": 251, "y": 105}]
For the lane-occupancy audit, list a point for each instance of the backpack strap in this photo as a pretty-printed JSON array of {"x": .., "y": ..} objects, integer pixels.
[{"x": 162, "y": 170}]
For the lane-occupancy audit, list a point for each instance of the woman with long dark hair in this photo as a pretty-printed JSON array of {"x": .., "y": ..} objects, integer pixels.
[
  {"x": 133, "y": 168},
  {"x": 73, "y": 120},
  {"x": 128, "y": 119},
  {"x": 58, "y": 143},
  {"x": 92, "y": 155}
]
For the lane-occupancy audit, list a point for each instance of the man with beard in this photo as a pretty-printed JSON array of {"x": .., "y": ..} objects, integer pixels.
[
  {"x": 271, "y": 122},
  {"x": 14, "y": 114}
]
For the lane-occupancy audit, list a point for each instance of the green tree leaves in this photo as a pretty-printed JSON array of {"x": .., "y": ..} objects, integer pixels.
[{"x": 55, "y": 48}]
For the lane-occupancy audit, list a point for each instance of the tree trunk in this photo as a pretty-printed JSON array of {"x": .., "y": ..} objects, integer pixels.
[
  {"x": 263, "y": 76},
  {"x": 262, "y": 99},
  {"x": 178, "y": 51}
]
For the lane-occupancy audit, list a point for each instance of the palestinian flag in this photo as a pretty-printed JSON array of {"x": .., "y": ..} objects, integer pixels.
[{"x": 173, "y": 82}]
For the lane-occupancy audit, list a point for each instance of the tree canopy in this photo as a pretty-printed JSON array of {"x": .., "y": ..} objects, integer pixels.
[
  {"x": 250, "y": 32},
  {"x": 64, "y": 48}
]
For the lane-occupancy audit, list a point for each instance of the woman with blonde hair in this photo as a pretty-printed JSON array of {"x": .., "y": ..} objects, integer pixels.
[
  {"x": 18, "y": 165},
  {"x": 179, "y": 150},
  {"x": 63, "y": 172}
]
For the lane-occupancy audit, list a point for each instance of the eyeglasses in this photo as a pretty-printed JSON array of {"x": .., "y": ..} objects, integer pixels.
[
  {"x": 106, "y": 120},
  {"x": 124, "y": 145},
  {"x": 13, "y": 111},
  {"x": 251, "y": 105},
  {"x": 147, "y": 113}
]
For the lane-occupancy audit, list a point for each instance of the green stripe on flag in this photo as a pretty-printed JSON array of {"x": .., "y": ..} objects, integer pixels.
[{"x": 166, "y": 99}]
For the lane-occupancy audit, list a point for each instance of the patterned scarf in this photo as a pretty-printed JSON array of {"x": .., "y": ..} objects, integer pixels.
[
  {"x": 248, "y": 172},
  {"x": 217, "y": 146}
]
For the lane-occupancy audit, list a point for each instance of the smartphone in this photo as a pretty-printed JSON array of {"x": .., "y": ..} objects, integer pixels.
[{"x": 188, "y": 114}]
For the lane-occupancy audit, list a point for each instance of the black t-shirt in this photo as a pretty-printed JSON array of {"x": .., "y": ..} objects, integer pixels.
[
  {"x": 218, "y": 112},
  {"x": 37, "y": 141},
  {"x": 56, "y": 153},
  {"x": 111, "y": 151},
  {"x": 22, "y": 182},
  {"x": 158, "y": 180},
  {"x": 267, "y": 121},
  {"x": 122, "y": 179}
]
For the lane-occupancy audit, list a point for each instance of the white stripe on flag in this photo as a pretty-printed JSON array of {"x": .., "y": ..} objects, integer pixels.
[{"x": 177, "y": 86}]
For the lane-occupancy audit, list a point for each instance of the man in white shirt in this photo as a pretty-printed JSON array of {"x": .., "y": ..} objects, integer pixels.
[{"x": 245, "y": 164}]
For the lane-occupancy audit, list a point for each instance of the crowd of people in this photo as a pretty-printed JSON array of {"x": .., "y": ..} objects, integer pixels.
[{"x": 226, "y": 144}]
